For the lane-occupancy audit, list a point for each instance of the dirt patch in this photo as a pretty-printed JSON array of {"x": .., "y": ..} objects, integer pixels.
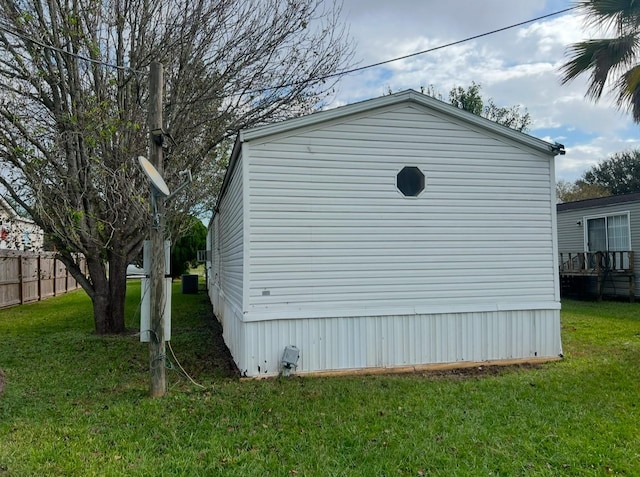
[
  {"x": 217, "y": 356},
  {"x": 479, "y": 371},
  {"x": 209, "y": 354},
  {"x": 199, "y": 345}
]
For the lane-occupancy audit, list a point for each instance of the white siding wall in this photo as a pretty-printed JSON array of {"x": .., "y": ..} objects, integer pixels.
[
  {"x": 331, "y": 235},
  {"x": 228, "y": 251},
  {"x": 19, "y": 234},
  {"x": 209, "y": 260},
  {"x": 340, "y": 264},
  {"x": 213, "y": 263},
  {"x": 570, "y": 234}
]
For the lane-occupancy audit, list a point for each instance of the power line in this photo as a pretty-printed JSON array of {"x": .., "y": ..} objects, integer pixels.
[
  {"x": 447, "y": 45},
  {"x": 411, "y": 55},
  {"x": 298, "y": 83},
  {"x": 65, "y": 52}
]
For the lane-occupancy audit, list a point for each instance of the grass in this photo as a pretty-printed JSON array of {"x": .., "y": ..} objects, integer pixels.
[{"x": 76, "y": 404}]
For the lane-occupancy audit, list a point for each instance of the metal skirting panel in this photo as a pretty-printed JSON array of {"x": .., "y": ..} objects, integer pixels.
[{"x": 327, "y": 344}]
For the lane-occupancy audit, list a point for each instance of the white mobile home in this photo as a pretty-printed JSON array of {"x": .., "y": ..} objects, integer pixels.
[{"x": 393, "y": 233}]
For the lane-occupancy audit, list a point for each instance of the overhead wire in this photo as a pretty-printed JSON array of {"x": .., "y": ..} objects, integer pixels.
[
  {"x": 325, "y": 77},
  {"x": 46, "y": 46},
  {"x": 447, "y": 45},
  {"x": 417, "y": 53}
]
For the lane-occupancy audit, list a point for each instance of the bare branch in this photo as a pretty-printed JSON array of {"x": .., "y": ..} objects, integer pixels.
[{"x": 73, "y": 100}]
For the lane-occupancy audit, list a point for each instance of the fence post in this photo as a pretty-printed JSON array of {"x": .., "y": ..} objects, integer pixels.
[
  {"x": 20, "y": 280},
  {"x": 39, "y": 271},
  {"x": 55, "y": 278}
]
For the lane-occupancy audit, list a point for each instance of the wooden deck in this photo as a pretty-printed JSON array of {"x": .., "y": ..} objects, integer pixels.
[{"x": 579, "y": 266}]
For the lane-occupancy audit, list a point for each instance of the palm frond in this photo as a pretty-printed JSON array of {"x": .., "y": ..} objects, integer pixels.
[
  {"x": 628, "y": 87},
  {"x": 600, "y": 57},
  {"x": 623, "y": 15},
  {"x": 610, "y": 61}
]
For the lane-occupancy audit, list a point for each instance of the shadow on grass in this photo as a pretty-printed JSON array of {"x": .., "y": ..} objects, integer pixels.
[
  {"x": 50, "y": 349},
  {"x": 197, "y": 340}
]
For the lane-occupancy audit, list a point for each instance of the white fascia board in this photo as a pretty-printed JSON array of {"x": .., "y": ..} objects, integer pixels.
[
  {"x": 404, "y": 96},
  {"x": 233, "y": 160}
]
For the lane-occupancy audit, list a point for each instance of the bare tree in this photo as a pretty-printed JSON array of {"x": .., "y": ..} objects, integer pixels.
[{"x": 73, "y": 99}]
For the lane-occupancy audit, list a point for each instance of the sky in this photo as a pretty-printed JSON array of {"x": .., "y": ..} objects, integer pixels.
[{"x": 519, "y": 66}]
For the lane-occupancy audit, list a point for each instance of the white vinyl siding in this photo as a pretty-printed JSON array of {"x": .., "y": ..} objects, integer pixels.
[
  {"x": 320, "y": 249},
  {"x": 329, "y": 229},
  {"x": 229, "y": 239},
  {"x": 212, "y": 258}
]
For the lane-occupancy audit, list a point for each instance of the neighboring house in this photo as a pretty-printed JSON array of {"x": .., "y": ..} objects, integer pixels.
[
  {"x": 397, "y": 232},
  {"x": 18, "y": 233},
  {"x": 597, "y": 239}
]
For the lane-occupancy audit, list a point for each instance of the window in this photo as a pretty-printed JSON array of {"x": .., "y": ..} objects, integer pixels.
[
  {"x": 410, "y": 181},
  {"x": 610, "y": 232}
]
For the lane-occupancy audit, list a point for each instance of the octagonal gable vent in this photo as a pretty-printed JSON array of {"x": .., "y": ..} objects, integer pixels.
[{"x": 410, "y": 181}]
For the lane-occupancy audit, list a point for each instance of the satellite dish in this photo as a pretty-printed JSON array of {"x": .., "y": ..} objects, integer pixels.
[{"x": 154, "y": 176}]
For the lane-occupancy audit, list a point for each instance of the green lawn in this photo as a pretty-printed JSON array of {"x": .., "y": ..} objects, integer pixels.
[{"x": 77, "y": 404}]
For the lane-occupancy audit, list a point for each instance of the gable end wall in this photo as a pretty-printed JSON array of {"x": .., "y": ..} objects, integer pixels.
[{"x": 331, "y": 233}]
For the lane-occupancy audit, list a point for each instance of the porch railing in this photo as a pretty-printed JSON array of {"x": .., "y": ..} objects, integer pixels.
[{"x": 596, "y": 262}]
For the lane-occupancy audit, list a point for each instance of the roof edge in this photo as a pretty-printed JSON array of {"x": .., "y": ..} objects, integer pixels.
[
  {"x": 396, "y": 98},
  {"x": 599, "y": 201},
  {"x": 408, "y": 95},
  {"x": 233, "y": 160}
]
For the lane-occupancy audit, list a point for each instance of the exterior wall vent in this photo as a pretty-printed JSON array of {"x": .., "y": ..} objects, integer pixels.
[{"x": 410, "y": 181}]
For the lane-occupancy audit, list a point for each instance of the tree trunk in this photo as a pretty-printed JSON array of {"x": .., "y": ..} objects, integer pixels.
[
  {"x": 108, "y": 305},
  {"x": 102, "y": 313},
  {"x": 107, "y": 293},
  {"x": 117, "y": 292},
  {"x": 108, "y": 300}
]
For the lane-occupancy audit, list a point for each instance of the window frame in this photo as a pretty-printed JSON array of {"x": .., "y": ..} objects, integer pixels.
[
  {"x": 585, "y": 221},
  {"x": 424, "y": 181}
]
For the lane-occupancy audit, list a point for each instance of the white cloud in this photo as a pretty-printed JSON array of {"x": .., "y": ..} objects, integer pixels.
[
  {"x": 517, "y": 66},
  {"x": 582, "y": 156}
]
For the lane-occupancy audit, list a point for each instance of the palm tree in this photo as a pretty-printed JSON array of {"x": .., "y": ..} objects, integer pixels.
[{"x": 614, "y": 60}]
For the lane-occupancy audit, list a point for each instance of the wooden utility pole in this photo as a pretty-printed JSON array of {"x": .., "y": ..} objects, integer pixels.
[{"x": 158, "y": 383}]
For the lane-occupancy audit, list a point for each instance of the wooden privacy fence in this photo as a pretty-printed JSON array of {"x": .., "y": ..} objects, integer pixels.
[{"x": 32, "y": 276}]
